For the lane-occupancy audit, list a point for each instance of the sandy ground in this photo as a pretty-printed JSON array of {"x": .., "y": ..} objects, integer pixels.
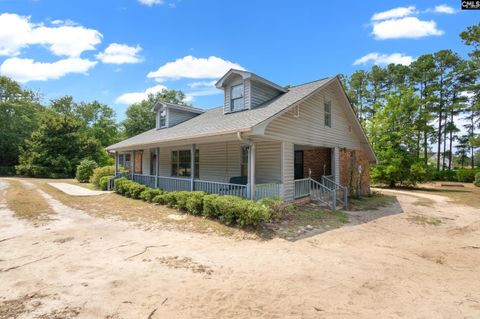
[{"x": 78, "y": 266}]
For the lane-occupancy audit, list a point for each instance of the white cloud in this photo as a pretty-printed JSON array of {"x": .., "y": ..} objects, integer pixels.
[
  {"x": 151, "y": 2},
  {"x": 377, "y": 58},
  {"x": 408, "y": 27},
  {"x": 135, "y": 97},
  {"x": 18, "y": 32},
  {"x": 394, "y": 13},
  {"x": 190, "y": 96},
  {"x": 443, "y": 8},
  {"x": 25, "y": 70},
  {"x": 199, "y": 84},
  {"x": 120, "y": 53},
  {"x": 194, "y": 68}
]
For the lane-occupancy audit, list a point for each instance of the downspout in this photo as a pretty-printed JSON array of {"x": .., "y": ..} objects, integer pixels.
[{"x": 251, "y": 163}]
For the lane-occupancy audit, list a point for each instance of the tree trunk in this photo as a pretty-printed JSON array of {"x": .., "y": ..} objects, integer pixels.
[{"x": 450, "y": 156}]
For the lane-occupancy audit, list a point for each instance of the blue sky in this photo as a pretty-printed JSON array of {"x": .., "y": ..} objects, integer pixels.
[{"x": 115, "y": 51}]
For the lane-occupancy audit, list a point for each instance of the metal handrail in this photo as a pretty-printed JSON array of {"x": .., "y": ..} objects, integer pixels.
[{"x": 332, "y": 184}]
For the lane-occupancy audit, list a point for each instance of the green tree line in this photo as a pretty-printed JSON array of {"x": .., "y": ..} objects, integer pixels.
[
  {"x": 407, "y": 109},
  {"x": 51, "y": 140}
]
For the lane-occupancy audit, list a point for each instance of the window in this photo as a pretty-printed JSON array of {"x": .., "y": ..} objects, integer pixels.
[
  {"x": 328, "y": 113},
  {"x": 244, "y": 162},
  {"x": 236, "y": 98},
  {"x": 153, "y": 164},
  {"x": 162, "y": 119},
  {"x": 182, "y": 163},
  {"x": 124, "y": 160}
]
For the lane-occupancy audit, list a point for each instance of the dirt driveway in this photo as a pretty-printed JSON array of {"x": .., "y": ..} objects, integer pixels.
[{"x": 421, "y": 261}]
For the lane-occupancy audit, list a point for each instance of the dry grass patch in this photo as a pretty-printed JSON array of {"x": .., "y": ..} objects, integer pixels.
[
  {"x": 27, "y": 203},
  {"x": 466, "y": 194},
  {"x": 424, "y": 202},
  {"x": 371, "y": 202},
  {"x": 112, "y": 205},
  {"x": 424, "y": 220}
]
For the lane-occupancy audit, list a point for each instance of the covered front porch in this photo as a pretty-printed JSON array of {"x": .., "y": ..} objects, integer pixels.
[{"x": 246, "y": 168}]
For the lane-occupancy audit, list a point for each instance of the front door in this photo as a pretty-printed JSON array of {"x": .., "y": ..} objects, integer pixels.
[{"x": 298, "y": 164}]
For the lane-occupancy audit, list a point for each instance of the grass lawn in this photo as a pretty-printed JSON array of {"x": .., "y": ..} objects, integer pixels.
[{"x": 468, "y": 194}]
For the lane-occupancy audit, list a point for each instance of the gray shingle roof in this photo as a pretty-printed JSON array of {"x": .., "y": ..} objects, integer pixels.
[{"x": 214, "y": 122}]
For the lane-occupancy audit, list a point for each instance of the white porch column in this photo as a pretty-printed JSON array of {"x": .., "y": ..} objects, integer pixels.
[
  {"x": 288, "y": 176},
  {"x": 192, "y": 167},
  {"x": 157, "y": 166},
  {"x": 251, "y": 171},
  {"x": 133, "y": 164},
  {"x": 336, "y": 164},
  {"x": 116, "y": 163}
]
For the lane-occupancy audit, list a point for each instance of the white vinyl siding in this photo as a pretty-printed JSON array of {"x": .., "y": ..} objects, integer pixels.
[
  {"x": 268, "y": 162},
  {"x": 309, "y": 128},
  {"x": 178, "y": 116},
  {"x": 261, "y": 93},
  {"x": 287, "y": 153}
]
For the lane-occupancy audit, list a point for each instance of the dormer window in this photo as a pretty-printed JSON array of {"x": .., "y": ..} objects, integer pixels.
[
  {"x": 237, "y": 103},
  {"x": 163, "y": 119}
]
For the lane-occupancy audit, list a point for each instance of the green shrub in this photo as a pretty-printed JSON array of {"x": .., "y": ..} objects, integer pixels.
[
  {"x": 100, "y": 172},
  {"x": 104, "y": 182},
  {"x": 278, "y": 208},
  {"x": 160, "y": 199},
  {"x": 252, "y": 213},
  {"x": 477, "y": 179},
  {"x": 181, "y": 199},
  {"x": 466, "y": 175},
  {"x": 135, "y": 189},
  {"x": 121, "y": 185},
  {"x": 194, "y": 203},
  {"x": 148, "y": 194},
  {"x": 171, "y": 199},
  {"x": 449, "y": 176},
  {"x": 209, "y": 206},
  {"x": 85, "y": 170}
]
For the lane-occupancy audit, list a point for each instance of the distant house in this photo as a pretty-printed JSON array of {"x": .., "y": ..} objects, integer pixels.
[{"x": 265, "y": 140}]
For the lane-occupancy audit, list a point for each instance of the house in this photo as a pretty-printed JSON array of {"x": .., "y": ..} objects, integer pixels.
[{"x": 265, "y": 140}]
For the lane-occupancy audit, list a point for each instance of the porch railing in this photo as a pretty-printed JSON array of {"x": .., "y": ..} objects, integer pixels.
[
  {"x": 309, "y": 187},
  {"x": 341, "y": 191},
  {"x": 148, "y": 180},
  {"x": 268, "y": 190},
  {"x": 172, "y": 184},
  {"x": 220, "y": 188}
]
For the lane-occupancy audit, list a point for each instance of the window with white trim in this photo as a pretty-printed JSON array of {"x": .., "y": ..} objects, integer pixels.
[
  {"x": 327, "y": 106},
  {"x": 236, "y": 98},
  {"x": 162, "y": 119},
  {"x": 182, "y": 163}
]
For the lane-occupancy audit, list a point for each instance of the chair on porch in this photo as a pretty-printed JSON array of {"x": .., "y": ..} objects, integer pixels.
[{"x": 232, "y": 189}]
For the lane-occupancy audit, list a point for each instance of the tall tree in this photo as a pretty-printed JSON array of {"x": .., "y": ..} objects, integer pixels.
[
  {"x": 359, "y": 93},
  {"x": 20, "y": 112},
  {"x": 140, "y": 118}
]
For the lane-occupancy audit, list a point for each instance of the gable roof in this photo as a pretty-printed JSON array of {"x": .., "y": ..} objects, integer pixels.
[
  {"x": 179, "y": 107},
  {"x": 215, "y": 122},
  {"x": 248, "y": 75}
]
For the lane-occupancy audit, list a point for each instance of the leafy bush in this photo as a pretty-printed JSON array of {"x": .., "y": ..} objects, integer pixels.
[
  {"x": 85, "y": 170},
  {"x": 149, "y": 194},
  {"x": 467, "y": 175},
  {"x": 181, "y": 199},
  {"x": 171, "y": 199},
  {"x": 449, "y": 175},
  {"x": 252, "y": 213},
  {"x": 121, "y": 185},
  {"x": 194, "y": 203},
  {"x": 104, "y": 182},
  {"x": 100, "y": 172},
  {"x": 477, "y": 179},
  {"x": 134, "y": 190},
  {"x": 278, "y": 208},
  {"x": 160, "y": 199},
  {"x": 209, "y": 206}
]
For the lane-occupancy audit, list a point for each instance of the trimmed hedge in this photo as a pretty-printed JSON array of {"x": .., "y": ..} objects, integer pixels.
[
  {"x": 100, "y": 172},
  {"x": 467, "y": 175},
  {"x": 461, "y": 175},
  {"x": 477, "y": 179},
  {"x": 228, "y": 209},
  {"x": 103, "y": 184}
]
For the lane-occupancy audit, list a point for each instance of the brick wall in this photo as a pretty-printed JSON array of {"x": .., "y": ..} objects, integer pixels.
[
  {"x": 350, "y": 174},
  {"x": 315, "y": 160}
]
